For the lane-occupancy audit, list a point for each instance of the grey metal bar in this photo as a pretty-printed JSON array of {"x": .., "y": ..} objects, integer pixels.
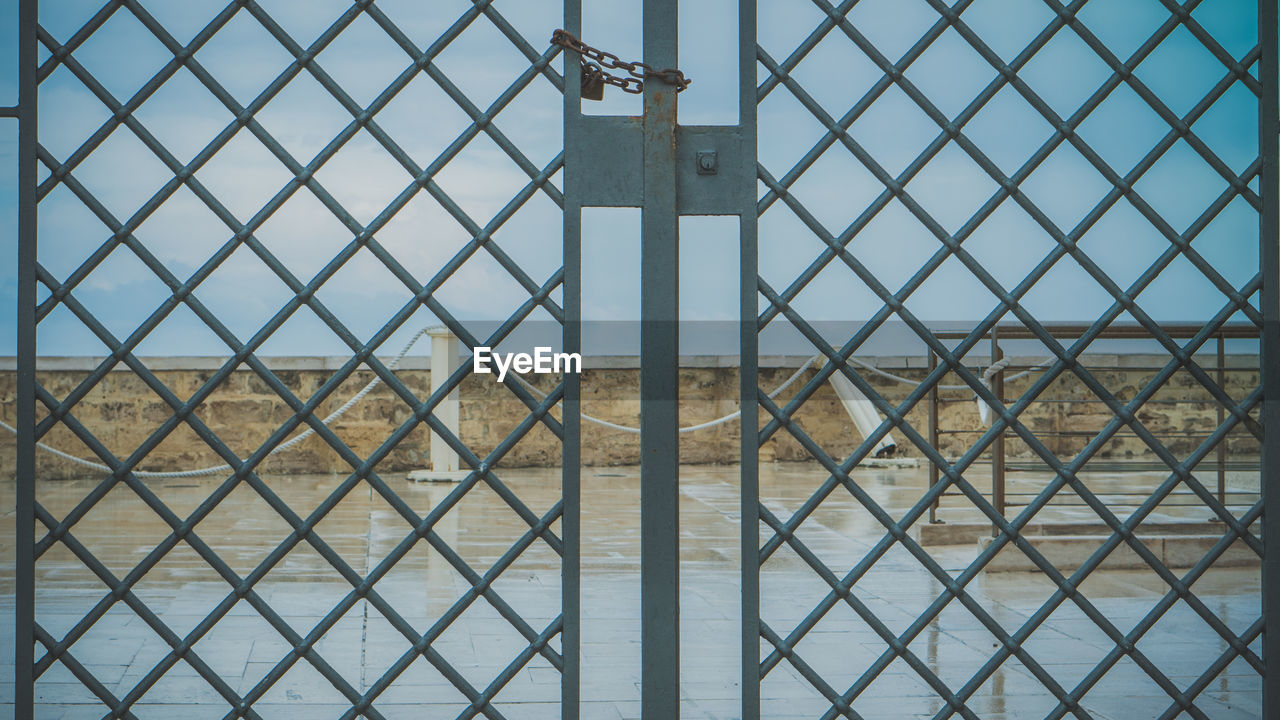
[
  {"x": 659, "y": 369},
  {"x": 571, "y": 417},
  {"x": 749, "y": 513},
  {"x": 571, "y": 475},
  {"x": 933, "y": 437},
  {"x": 14, "y": 111},
  {"x": 1269, "y": 189},
  {"x": 24, "y": 590},
  {"x": 749, "y": 379},
  {"x": 1222, "y": 415},
  {"x": 997, "y": 447},
  {"x": 1115, "y": 331}
]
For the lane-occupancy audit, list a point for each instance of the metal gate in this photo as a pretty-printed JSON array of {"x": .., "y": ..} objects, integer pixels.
[{"x": 670, "y": 170}]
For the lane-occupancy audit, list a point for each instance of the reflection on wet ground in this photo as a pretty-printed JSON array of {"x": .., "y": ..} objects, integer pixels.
[{"x": 359, "y": 643}]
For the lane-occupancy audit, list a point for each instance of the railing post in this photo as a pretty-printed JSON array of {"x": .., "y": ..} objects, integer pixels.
[
  {"x": 933, "y": 438},
  {"x": 659, "y": 374},
  {"x": 997, "y": 447},
  {"x": 1222, "y": 416},
  {"x": 444, "y": 361}
]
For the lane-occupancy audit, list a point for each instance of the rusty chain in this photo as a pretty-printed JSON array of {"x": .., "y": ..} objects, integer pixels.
[{"x": 597, "y": 63}]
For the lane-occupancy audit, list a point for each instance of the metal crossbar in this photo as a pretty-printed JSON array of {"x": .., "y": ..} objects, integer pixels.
[{"x": 784, "y": 530}]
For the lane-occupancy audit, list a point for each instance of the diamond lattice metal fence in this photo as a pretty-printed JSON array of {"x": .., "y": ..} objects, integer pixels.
[
  {"x": 860, "y": 586},
  {"x": 255, "y": 174},
  {"x": 415, "y": 169}
]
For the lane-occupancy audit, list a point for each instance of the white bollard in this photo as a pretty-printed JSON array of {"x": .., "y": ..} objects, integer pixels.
[
  {"x": 866, "y": 419},
  {"x": 863, "y": 413},
  {"x": 444, "y": 361}
]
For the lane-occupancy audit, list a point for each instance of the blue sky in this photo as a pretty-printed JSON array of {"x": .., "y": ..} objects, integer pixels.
[{"x": 423, "y": 120}]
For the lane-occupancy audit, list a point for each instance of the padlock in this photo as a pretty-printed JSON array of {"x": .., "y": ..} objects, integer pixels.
[{"x": 592, "y": 82}]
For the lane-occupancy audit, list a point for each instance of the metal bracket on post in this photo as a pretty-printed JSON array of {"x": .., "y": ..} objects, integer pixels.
[
  {"x": 605, "y": 167},
  {"x": 720, "y": 188},
  {"x": 604, "y": 162}
]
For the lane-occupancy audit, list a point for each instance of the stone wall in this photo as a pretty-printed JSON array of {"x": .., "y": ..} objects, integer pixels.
[{"x": 123, "y": 412}]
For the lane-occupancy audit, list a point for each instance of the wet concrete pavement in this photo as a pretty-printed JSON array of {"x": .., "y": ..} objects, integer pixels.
[{"x": 361, "y": 643}]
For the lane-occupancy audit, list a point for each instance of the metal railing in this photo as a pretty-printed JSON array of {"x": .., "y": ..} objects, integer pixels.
[{"x": 1002, "y": 500}]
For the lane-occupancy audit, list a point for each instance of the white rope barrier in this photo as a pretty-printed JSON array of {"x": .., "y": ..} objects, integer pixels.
[
  {"x": 691, "y": 428},
  {"x": 216, "y": 469},
  {"x": 989, "y": 373},
  {"x": 983, "y": 411}
]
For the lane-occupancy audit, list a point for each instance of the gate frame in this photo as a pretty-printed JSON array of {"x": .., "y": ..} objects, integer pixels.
[
  {"x": 25, "y": 501},
  {"x": 660, "y": 359},
  {"x": 649, "y": 162},
  {"x": 24, "y": 575},
  {"x": 1269, "y": 353},
  {"x": 1268, "y": 19}
]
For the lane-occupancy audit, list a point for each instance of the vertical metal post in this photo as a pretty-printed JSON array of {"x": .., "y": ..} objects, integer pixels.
[
  {"x": 997, "y": 447},
  {"x": 1222, "y": 416},
  {"x": 933, "y": 438},
  {"x": 659, "y": 375},
  {"x": 444, "y": 361},
  {"x": 750, "y": 375},
  {"x": 571, "y": 447},
  {"x": 571, "y": 461},
  {"x": 24, "y": 577},
  {"x": 1269, "y": 189}
]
